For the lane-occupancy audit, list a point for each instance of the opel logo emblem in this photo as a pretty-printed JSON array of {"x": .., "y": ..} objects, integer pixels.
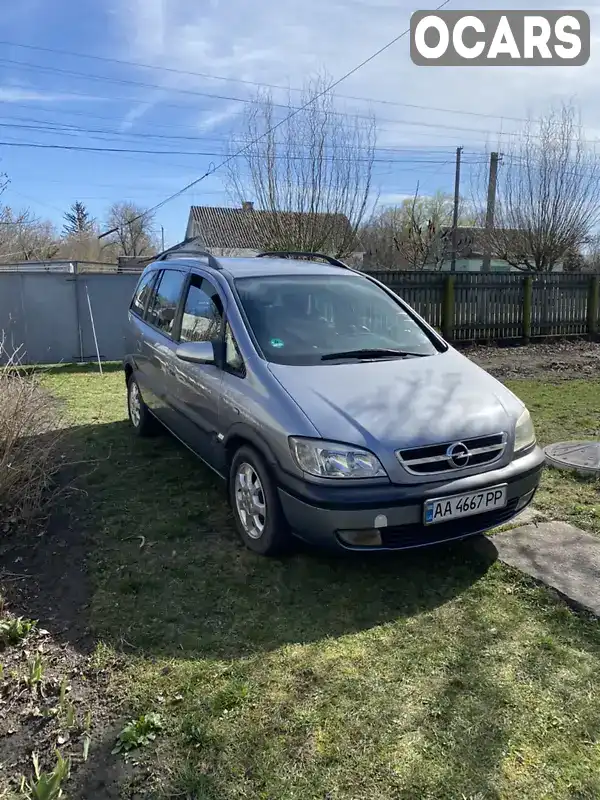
[{"x": 459, "y": 455}]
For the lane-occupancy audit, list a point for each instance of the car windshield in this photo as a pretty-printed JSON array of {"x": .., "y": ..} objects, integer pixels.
[{"x": 328, "y": 319}]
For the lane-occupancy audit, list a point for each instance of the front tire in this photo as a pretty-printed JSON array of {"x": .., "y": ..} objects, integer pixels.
[
  {"x": 142, "y": 421},
  {"x": 259, "y": 519}
]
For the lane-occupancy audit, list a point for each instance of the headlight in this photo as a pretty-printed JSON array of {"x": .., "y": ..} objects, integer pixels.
[
  {"x": 331, "y": 460},
  {"x": 524, "y": 432}
]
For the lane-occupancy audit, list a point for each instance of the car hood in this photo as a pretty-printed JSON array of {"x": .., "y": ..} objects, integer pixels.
[{"x": 401, "y": 403}]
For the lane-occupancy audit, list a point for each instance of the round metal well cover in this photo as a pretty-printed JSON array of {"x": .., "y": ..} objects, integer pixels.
[{"x": 580, "y": 456}]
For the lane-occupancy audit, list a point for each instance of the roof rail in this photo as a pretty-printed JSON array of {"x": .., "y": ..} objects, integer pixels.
[
  {"x": 335, "y": 262},
  {"x": 189, "y": 248}
]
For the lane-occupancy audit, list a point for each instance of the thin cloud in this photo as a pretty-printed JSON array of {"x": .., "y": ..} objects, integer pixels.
[
  {"x": 212, "y": 120},
  {"x": 139, "y": 110},
  {"x": 300, "y": 45},
  {"x": 15, "y": 94}
]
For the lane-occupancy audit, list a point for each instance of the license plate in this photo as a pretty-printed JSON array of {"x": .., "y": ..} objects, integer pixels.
[{"x": 444, "y": 509}]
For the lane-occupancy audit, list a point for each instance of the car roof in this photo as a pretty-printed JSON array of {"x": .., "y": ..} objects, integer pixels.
[
  {"x": 255, "y": 267},
  {"x": 258, "y": 267}
]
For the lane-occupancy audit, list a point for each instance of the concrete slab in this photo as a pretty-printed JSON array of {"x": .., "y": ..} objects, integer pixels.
[
  {"x": 527, "y": 517},
  {"x": 560, "y": 555}
]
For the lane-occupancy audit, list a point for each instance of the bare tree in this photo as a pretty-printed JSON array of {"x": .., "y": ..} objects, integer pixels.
[
  {"x": 592, "y": 254},
  {"x": 313, "y": 174},
  {"x": 25, "y": 237},
  {"x": 133, "y": 237},
  {"x": 575, "y": 261},
  {"x": 416, "y": 235},
  {"x": 86, "y": 247},
  {"x": 548, "y": 194},
  {"x": 380, "y": 237},
  {"x": 422, "y": 244}
]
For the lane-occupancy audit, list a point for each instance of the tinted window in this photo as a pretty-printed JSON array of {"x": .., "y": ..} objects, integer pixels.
[
  {"x": 163, "y": 308},
  {"x": 203, "y": 312},
  {"x": 299, "y": 319},
  {"x": 142, "y": 293}
]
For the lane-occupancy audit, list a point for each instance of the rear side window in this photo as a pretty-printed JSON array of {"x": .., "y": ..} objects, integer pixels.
[
  {"x": 142, "y": 293},
  {"x": 163, "y": 306},
  {"x": 202, "y": 313}
]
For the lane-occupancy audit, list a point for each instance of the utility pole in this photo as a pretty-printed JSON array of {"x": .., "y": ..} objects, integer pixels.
[
  {"x": 162, "y": 235},
  {"x": 491, "y": 208},
  {"x": 456, "y": 209}
]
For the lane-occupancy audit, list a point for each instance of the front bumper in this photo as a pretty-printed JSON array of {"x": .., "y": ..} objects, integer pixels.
[{"x": 318, "y": 515}]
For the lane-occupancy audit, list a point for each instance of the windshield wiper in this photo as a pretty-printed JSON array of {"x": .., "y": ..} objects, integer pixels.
[{"x": 376, "y": 352}]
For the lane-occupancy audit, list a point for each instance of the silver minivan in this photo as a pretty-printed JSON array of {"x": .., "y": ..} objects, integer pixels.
[{"x": 331, "y": 409}]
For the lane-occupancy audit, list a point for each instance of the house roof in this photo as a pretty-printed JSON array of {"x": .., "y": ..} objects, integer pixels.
[{"x": 254, "y": 229}]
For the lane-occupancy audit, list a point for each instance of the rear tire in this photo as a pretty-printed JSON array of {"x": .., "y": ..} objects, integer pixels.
[
  {"x": 257, "y": 511},
  {"x": 142, "y": 421}
]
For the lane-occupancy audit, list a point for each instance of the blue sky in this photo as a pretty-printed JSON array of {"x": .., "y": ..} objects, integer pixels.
[{"x": 58, "y": 99}]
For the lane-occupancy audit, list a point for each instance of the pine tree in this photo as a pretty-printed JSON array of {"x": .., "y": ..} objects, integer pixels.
[{"x": 78, "y": 220}]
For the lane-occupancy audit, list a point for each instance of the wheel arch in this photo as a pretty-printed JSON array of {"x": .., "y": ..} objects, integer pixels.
[
  {"x": 242, "y": 435},
  {"x": 128, "y": 369}
]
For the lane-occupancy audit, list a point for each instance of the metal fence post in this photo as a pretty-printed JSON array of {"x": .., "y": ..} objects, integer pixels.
[
  {"x": 448, "y": 308},
  {"x": 593, "y": 306},
  {"x": 527, "y": 307}
]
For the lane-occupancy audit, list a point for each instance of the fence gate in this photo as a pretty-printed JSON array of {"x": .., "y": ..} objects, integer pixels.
[{"x": 47, "y": 315}]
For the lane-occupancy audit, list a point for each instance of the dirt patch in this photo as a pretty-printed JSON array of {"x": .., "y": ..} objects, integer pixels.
[
  {"x": 551, "y": 361},
  {"x": 54, "y": 689},
  {"x": 53, "y": 699}
]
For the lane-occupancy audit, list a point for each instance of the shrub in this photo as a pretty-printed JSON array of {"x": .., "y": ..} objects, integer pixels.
[{"x": 30, "y": 439}]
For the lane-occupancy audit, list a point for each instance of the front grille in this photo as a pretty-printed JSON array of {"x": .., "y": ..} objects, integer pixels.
[
  {"x": 438, "y": 458},
  {"x": 418, "y": 535}
]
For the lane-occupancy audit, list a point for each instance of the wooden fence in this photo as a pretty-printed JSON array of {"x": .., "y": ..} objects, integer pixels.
[{"x": 469, "y": 306}]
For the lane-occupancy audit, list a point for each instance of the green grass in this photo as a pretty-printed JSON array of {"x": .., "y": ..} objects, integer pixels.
[
  {"x": 424, "y": 675},
  {"x": 563, "y": 412}
]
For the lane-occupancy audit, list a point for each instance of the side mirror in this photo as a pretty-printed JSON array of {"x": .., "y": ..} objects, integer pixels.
[{"x": 196, "y": 352}]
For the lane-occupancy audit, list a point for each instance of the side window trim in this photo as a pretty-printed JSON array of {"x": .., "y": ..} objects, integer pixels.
[
  {"x": 151, "y": 294},
  {"x": 184, "y": 297},
  {"x": 176, "y": 334},
  {"x": 151, "y": 286},
  {"x": 155, "y": 285}
]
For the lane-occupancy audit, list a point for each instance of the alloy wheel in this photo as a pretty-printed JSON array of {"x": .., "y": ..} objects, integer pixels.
[
  {"x": 135, "y": 404},
  {"x": 250, "y": 501}
]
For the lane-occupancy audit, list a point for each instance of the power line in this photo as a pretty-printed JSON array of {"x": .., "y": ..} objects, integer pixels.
[
  {"x": 85, "y": 148},
  {"x": 256, "y": 84},
  {"x": 125, "y": 81},
  {"x": 66, "y": 127},
  {"x": 35, "y": 200},
  {"x": 274, "y": 127},
  {"x": 429, "y": 134},
  {"x": 179, "y": 106},
  {"x": 44, "y": 126},
  {"x": 394, "y": 122},
  {"x": 87, "y": 115},
  {"x": 21, "y": 179},
  {"x": 231, "y": 98},
  {"x": 228, "y": 140}
]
